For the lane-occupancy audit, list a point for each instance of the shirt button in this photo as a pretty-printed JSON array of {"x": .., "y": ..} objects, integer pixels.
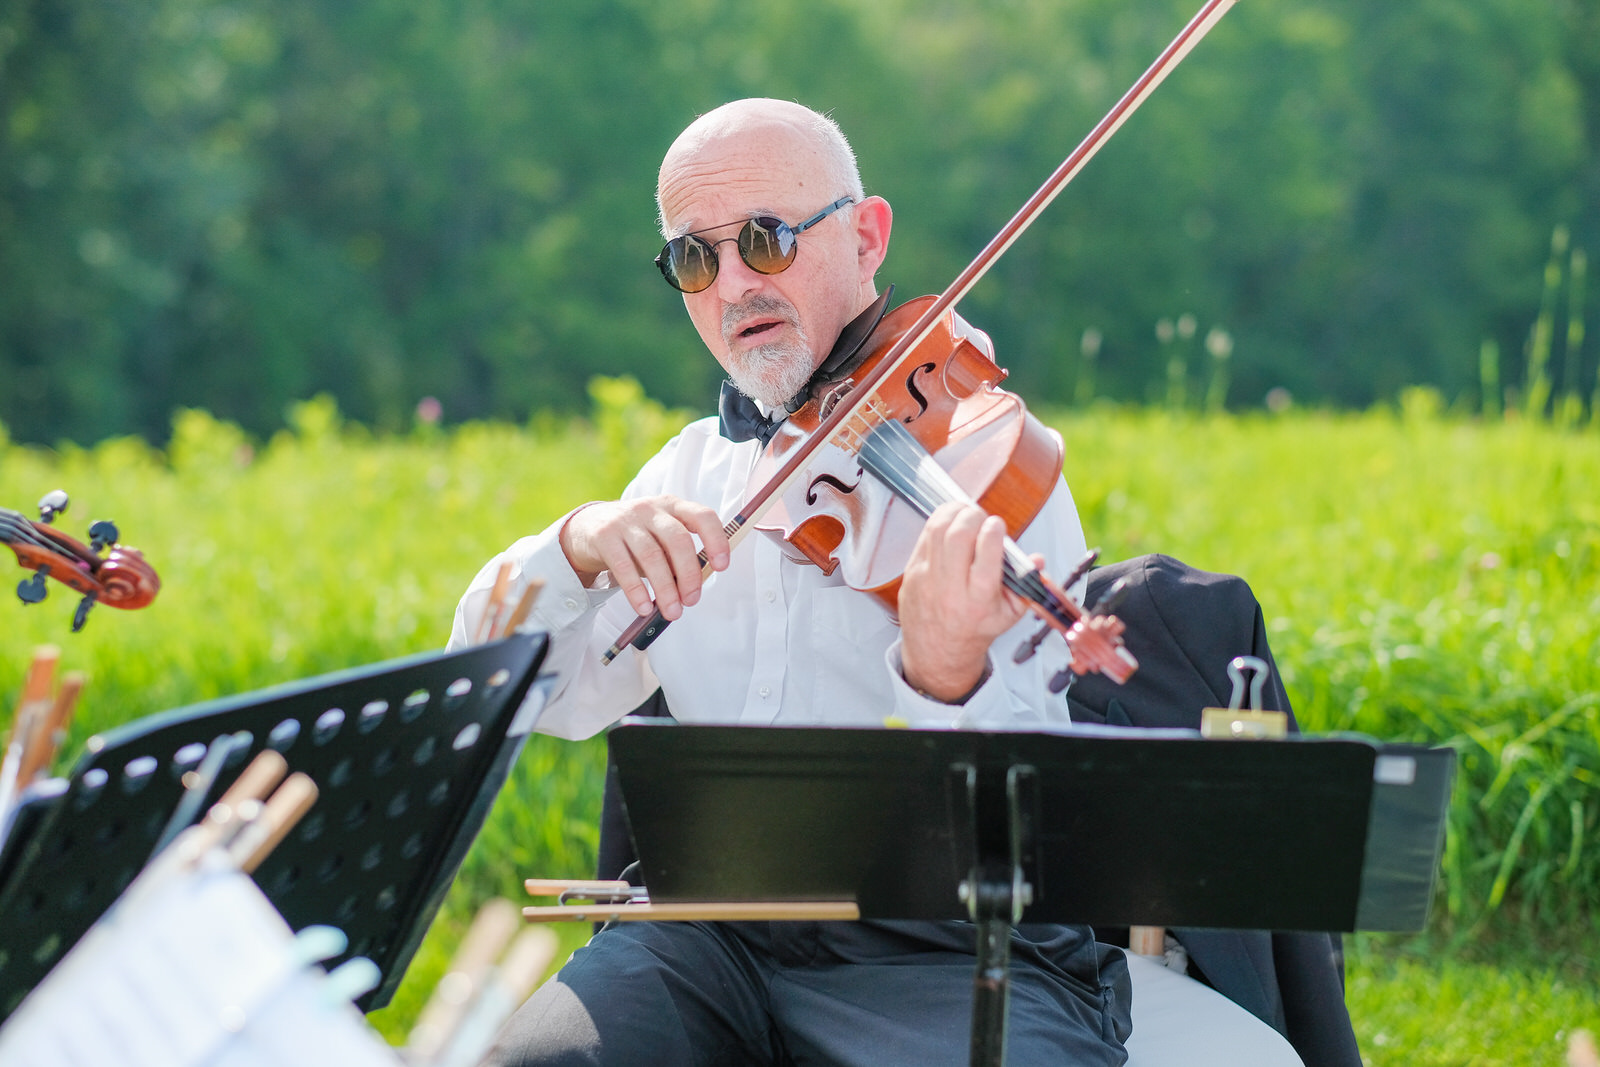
[
  {"x": 765, "y": 691},
  {"x": 771, "y": 596},
  {"x": 572, "y": 605}
]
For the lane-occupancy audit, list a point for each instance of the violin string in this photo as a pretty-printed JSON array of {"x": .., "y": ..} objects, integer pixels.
[
  {"x": 890, "y": 453},
  {"x": 894, "y": 449},
  {"x": 924, "y": 494},
  {"x": 17, "y": 530}
]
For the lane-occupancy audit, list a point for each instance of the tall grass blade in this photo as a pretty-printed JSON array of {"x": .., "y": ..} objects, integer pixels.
[
  {"x": 1537, "y": 395},
  {"x": 1513, "y": 849},
  {"x": 1489, "y": 378},
  {"x": 1571, "y": 410},
  {"x": 1575, "y": 850}
]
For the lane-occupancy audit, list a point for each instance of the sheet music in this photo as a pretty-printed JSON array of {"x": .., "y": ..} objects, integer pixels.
[{"x": 192, "y": 968}]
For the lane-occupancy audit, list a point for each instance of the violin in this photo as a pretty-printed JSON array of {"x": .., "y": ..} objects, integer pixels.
[
  {"x": 103, "y": 570},
  {"x": 922, "y": 413},
  {"x": 940, "y": 430}
]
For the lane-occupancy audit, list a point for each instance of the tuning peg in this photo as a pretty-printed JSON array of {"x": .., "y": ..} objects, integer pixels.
[
  {"x": 33, "y": 590},
  {"x": 1061, "y": 680},
  {"x": 1113, "y": 597},
  {"x": 103, "y": 534},
  {"x": 1031, "y": 645},
  {"x": 81, "y": 616},
  {"x": 52, "y": 504},
  {"x": 1081, "y": 569}
]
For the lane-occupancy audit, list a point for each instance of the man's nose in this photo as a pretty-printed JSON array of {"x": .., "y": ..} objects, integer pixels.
[{"x": 735, "y": 278}]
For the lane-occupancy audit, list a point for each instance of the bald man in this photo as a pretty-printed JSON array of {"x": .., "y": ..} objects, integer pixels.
[{"x": 775, "y": 247}]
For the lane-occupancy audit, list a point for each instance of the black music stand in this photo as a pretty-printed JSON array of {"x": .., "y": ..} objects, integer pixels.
[
  {"x": 408, "y": 757},
  {"x": 1096, "y": 825}
]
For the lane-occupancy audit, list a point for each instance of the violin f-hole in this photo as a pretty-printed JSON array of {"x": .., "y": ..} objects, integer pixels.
[
  {"x": 917, "y": 394},
  {"x": 828, "y": 479}
]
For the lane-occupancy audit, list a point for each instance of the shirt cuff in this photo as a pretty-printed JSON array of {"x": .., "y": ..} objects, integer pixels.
[
  {"x": 917, "y": 708},
  {"x": 564, "y": 601}
]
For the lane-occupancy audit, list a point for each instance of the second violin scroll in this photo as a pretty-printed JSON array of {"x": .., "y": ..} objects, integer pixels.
[{"x": 104, "y": 571}]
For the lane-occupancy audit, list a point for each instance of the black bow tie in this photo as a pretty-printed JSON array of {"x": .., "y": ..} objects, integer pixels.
[{"x": 743, "y": 420}]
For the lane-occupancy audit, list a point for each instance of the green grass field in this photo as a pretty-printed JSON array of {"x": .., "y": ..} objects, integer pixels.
[{"x": 1424, "y": 577}]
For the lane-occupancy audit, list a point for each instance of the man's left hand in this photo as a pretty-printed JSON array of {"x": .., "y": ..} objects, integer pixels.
[{"x": 952, "y": 603}]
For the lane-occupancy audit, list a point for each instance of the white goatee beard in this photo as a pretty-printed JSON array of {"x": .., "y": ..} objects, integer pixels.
[{"x": 770, "y": 373}]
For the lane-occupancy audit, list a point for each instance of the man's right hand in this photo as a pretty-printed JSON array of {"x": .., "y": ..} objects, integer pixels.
[{"x": 647, "y": 540}]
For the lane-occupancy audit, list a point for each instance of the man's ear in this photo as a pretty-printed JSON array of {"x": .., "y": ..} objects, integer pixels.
[{"x": 873, "y": 219}]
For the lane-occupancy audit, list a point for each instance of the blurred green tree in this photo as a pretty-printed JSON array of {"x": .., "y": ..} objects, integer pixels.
[{"x": 235, "y": 204}]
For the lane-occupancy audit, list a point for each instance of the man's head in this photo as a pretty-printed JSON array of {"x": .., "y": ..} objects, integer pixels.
[{"x": 772, "y": 158}]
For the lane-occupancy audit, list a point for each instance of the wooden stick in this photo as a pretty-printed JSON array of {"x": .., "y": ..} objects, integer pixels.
[
  {"x": 226, "y": 817},
  {"x": 40, "y": 680},
  {"x": 700, "y": 911},
  {"x": 50, "y": 729},
  {"x": 38, "y": 695},
  {"x": 492, "y": 928},
  {"x": 554, "y": 887},
  {"x": 33, "y": 706},
  {"x": 278, "y": 816},
  {"x": 519, "y": 614},
  {"x": 527, "y": 961},
  {"x": 1147, "y": 940},
  {"x": 1581, "y": 1050},
  {"x": 497, "y": 596},
  {"x": 258, "y": 779}
]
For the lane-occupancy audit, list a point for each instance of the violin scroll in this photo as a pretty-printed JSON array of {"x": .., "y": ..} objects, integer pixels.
[
  {"x": 104, "y": 571},
  {"x": 1094, "y": 637}
]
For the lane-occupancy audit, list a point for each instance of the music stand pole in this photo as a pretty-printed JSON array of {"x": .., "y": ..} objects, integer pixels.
[{"x": 995, "y": 893}]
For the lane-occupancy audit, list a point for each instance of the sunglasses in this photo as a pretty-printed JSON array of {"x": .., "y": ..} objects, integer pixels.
[{"x": 767, "y": 246}]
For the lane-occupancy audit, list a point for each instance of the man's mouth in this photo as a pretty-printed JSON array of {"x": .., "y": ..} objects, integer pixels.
[
  {"x": 759, "y": 328},
  {"x": 757, "y": 321}
]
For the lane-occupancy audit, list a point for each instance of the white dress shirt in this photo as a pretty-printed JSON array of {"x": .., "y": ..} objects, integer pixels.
[{"x": 771, "y": 641}]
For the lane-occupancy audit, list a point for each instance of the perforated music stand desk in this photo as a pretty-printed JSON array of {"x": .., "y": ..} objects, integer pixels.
[
  {"x": 1102, "y": 826},
  {"x": 408, "y": 757}
]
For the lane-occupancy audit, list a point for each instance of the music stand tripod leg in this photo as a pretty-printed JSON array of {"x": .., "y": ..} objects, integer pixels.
[{"x": 995, "y": 894}]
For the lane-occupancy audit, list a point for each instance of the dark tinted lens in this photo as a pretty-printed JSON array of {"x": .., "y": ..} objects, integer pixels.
[
  {"x": 767, "y": 244},
  {"x": 688, "y": 264}
]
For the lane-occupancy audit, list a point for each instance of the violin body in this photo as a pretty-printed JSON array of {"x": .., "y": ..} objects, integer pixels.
[
  {"x": 120, "y": 578},
  {"x": 947, "y": 394}
]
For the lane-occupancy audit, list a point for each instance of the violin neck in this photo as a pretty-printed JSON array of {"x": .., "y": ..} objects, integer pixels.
[{"x": 891, "y": 454}]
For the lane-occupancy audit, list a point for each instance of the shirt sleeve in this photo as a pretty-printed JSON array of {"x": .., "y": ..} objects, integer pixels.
[
  {"x": 567, "y": 611},
  {"x": 582, "y": 622}
]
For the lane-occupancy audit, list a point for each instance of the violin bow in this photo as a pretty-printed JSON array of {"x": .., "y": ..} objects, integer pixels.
[{"x": 646, "y": 628}]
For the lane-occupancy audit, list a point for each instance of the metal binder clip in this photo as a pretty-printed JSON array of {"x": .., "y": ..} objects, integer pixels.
[{"x": 1235, "y": 721}]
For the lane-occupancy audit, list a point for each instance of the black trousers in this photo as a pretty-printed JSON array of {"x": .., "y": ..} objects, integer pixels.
[{"x": 805, "y": 994}]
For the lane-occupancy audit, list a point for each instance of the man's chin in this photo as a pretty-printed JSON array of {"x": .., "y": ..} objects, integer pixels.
[{"x": 777, "y": 386}]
